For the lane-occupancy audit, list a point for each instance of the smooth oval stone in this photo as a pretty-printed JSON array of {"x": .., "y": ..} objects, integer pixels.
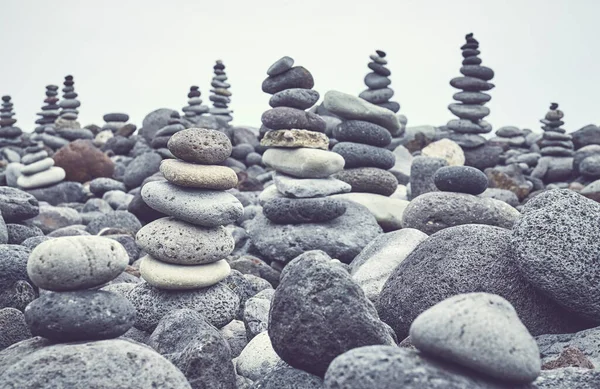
[
  {"x": 379, "y": 69},
  {"x": 174, "y": 241},
  {"x": 376, "y": 58},
  {"x": 360, "y": 155},
  {"x": 200, "y": 145},
  {"x": 294, "y": 211},
  {"x": 462, "y": 179},
  {"x": 295, "y": 138},
  {"x": 48, "y": 177},
  {"x": 370, "y": 180},
  {"x": 198, "y": 176},
  {"x": 80, "y": 315},
  {"x": 115, "y": 117},
  {"x": 471, "y": 84},
  {"x": 201, "y": 207},
  {"x": 556, "y": 151},
  {"x": 168, "y": 276},
  {"x": 296, "y": 77},
  {"x": 391, "y": 105},
  {"x": 284, "y": 118},
  {"x": 472, "y": 97},
  {"x": 481, "y": 72},
  {"x": 281, "y": 65},
  {"x": 376, "y": 81},
  {"x": 468, "y": 111},
  {"x": 377, "y": 96},
  {"x": 472, "y": 61},
  {"x": 76, "y": 262},
  {"x": 468, "y": 127},
  {"x": 295, "y": 98},
  {"x": 509, "y": 132},
  {"x": 360, "y": 131},
  {"x": 304, "y": 163},
  {"x": 38, "y": 166}
]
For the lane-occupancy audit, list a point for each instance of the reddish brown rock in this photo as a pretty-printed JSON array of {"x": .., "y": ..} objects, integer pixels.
[
  {"x": 83, "y": 162},
  {"x": 570, "y": 357},
  {"x": 509, "y": 178}
]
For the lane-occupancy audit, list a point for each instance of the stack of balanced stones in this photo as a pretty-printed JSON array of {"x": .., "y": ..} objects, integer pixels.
[
  {"x": 50, "y": 109},
  {"x": 379, "y": 92},
  {"x": 38, "y": 169},
  {"x": 555, "y": 141},
  {"x": 9, "y": 134},
  {"x": 298, "y": 151},
  {"x": 470, "y": 108},
  {"x": 186, "y": 250},
  {"x": 68, "y": 105},
  {"x": 194, "y": 107},
  {"x": 221, "y": 96},
  {"x": 70, "y": 269},
  {"x": 114, "y": 121},
  {"x": 162, "y": 136}
]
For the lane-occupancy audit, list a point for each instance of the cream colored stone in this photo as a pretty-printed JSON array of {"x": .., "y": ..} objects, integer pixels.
[
  {"x": 295, "y": 138},
  {"x": 164, "y": 275},
  {"x": 445, "y": 149}
]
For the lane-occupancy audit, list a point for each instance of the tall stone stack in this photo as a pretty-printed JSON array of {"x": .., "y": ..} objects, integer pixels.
[
  {"x": 377, "y": 82},
  {"x": 68, "y": 105},
  {"x": 38, "y": 169},
  {"x": 298, "y": 150},
  {"x": 71, "y": 269},
  {"x": 555, "y": 142},
  {"x": 194, "y": 107},
  {"x": 221, "y": 96},
  {"x": 186, "y": 250},
  {"x": 9, "y": 134},
  {"x": 50, "y": 109}
]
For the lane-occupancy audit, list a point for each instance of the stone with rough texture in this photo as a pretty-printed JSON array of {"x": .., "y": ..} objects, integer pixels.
[
  {"x": 296, "y": 77},
  {"x": 116, "y": 219},
  {"x": 167, "y": 276},
  {"x": 354, "y": 108},
  {"x": 295, "y": 97},
  {"x": 83, "y": 162},
  {"x": 76, "y": 262},
  {"x": 556, "y": 247},
  {"x": 154, "y": 121},
  {"x": 198, "y": 176},
  {"x": 289, "y": 378},
  {"x": 295, "y": 138},
  {"x": 281, "y": 65},
  {"x": 141, "y": 168},
  {"x": 200, "y": 207},
  {"x": 199, "y": 145},
  {"x": 362, "y": 132},
  {"x": 14, "y": 328},
  {"x": 309, "y": 187},
  {"x": 284, "y": 118},
  {"x": 64, "y": 192},
  {"x": 422, "y": 173},
  {"x": 569, "y": 357},
  {"x": 480, "y": 331},
  {"x": 360, "y": 155},
  {"x": 304, "y": 163},
  {"x": 462, "y": 179},
  {"x": 294, "y": 211},
  {"x": 370, "y": 180},
  {"x": 18, "y": 233},
  {"x": 17, "y": 205},
  {"x": 387, "y": 211},
  {"x": 465, "y": 259},
  {"x": 258, "y": 358},
  {"x": 568, "y": 378},
  {"x": 587, "y": 341},
  {"x": 318, "y": 313}
]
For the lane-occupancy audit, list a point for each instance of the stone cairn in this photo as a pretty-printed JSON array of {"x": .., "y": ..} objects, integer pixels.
[
  {"x": 9, "y": 134},
  {"x": 162, "y": 136},
  {"x": 38, "y": 169},
  {"x": 194, "y": 107},
  {"x": 516, "y": 149},
  {"x": 298, "y": 151},
  {"x": 470, "y": 108},
  {"x": 555, "y": 142},
  {"x": 68, "y": 105},
  {"x": 114, "y": 121},
  {"x": 51, "y": 110},
  {"x": 377, "y": 82},
  {"x": 221, "y": 96},
  {"x": 70, "y": 269},
  {"x": 186, "y": 250}
]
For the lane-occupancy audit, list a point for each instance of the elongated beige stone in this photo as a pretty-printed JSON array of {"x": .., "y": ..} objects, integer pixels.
[
  {"x": 164, "y": 275},
  {"x": 198, "y": 176}
]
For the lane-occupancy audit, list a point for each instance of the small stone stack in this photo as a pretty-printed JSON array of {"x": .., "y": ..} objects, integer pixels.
[
  {"x": 378, "y": 83},
  {"x": 186, "y": 250},
  {"x": 470, "y": 110},
  {"x": 161, "y": 138},
  {"x": 51, "y": 110},
  {"x": 114, "y": 121},
  {"x": 70, "y": 269},
  {"x": 194, "y": 107},
  {"x": 555, "y": 142},
  {"x": 221, "y": 96},
  {"x": 68, "y": 105},
  {"x": 516, "y": 149},
  {"x": 38, "y": 169},
  {"x": 9, "y": 134},
  {"x": 298, "y": 151}
]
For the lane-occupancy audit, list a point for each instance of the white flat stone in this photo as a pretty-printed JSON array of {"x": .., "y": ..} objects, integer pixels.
[
  {"x": 54, "y": 175},
  {"x": 38, "y": 166},
  {"x": 169, "y": 276},
  {"x": 304, "y": 163}
]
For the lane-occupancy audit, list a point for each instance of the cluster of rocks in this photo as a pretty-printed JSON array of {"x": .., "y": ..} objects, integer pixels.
[
  {"x": 377, "y": 82},
  {"x": 9, "y": 134},
  {"x": 38, "y": 170},
  {"x": 221, "y": 96}
]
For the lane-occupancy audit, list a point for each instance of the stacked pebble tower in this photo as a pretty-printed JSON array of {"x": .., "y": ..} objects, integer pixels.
[
  {"x": 221, "y": 96},
  {"x": 471, "y": 110},
  {"x": 51, "y": 110},
  {"x": 377, "y": 82},
  {"x": 38, "y": 169},
  {"x": 194, "y": 107},
  {"x": 298, "y": 151},
  {"x": 162, "y": 136},
  {"x": 68, "y": 105},
  {"x": 70, "y": 269},
  {"x": 114, "y": 121},
  {"x": 9, "y": 134},
  {"x": 555, "y": 142},
  {"x": 186, "y": 250}
]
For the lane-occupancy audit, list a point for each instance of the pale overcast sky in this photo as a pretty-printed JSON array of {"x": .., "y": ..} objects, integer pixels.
[{"x": 136, "y": 56}]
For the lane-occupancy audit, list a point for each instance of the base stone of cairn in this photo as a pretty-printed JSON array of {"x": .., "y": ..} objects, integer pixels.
[
  {"x": 299, "y": 201},
  {"x": 363, "y": 136},
  {"x": 221, "y": 96},
  {"x": 185, "y": 264},
  {"x": 38, "y": 170},
  {"x": 377, "y": 82},
  {"x": 10, "y": 135},
  {"x": 556, "y": 147}
]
